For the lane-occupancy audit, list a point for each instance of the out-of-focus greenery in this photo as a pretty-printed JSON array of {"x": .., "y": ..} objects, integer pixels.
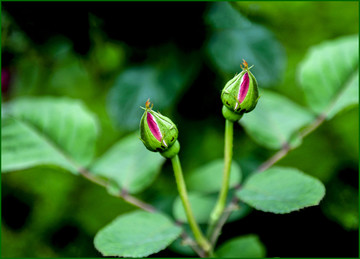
[{"x": 47, "y": 212}]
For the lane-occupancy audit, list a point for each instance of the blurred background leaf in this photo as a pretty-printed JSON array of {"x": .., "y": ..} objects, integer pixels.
[
  {"x": 50, "y": 131},
  {"x": 330, "y": 75},
  {"x": 129, "y": 165},
  {"x": 202, "y": 204},
  {"x": 276, "y": 121},
  {"x": 208, "y": 178},
  {"x": 162, "y": 82},
  {"x": 244, "y": 40}
]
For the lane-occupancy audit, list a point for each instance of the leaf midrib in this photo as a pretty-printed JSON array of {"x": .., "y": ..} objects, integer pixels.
[
  {"x": 345, "y": 85},
  {"x": 48, "y": 140}
]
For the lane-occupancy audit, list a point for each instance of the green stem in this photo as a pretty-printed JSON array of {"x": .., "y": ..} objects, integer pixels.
[
  {"x": 199, "y": 237},
  {"x": 221, "y": 202}
]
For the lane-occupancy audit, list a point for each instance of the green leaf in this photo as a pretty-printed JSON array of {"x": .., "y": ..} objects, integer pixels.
[
  {"x": 329, "y": 75},
  {"x": 136, "y": 234},
  {"x": 248, "y": 246},
  {"x": 208, "y": 178},
  {"x": 235, "y": 38},
  {"x": 348, "y": 97},
  {"x": 202, "y": 206},
  {"x": 47, "y": 131},
  {"x": 162, "y": 82},
  {"x": 275, "y": 121},
  {"x": 129, "y": 164},
  {"x": 281, "y": 190}
]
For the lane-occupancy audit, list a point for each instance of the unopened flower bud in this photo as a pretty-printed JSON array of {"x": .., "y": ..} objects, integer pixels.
[
  {"x": 158, "y": 133},
  {"x": 240, "y": 94}
]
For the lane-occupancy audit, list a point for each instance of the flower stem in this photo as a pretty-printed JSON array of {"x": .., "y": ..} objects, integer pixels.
[
  {"x": 199, "y": 237},
  {"x": 221, "y": 202}
]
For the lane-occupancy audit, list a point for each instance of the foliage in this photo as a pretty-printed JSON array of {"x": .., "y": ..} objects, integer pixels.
[
  {"x": 330, "y": 75},
  {"x": 121, "y": 165},
  {"x": 137, "y": 234},
  {"x": 281, "y": 190},
  {"x": 244, "y": 40},
  {"x": 47, "y": 131},
  {"x": 205, "y": 179},
  {"x": 276, "y": 121},
  {"x": 67, "y": 113}
]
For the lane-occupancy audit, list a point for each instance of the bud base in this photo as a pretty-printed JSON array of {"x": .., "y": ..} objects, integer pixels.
[
  {"x": 171, "y": 151},
  {"x": 230, "y": 115}
]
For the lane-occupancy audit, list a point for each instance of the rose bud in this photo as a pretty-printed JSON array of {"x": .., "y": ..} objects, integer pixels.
[
  {"x": 240, "y": 94},
  {"x": 158, "y": 133}
]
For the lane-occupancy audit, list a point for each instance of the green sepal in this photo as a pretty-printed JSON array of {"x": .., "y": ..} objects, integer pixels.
[
  {"x": 231, "y": 91},
  {"x": 167, "y": 128},
  {"x": 230, "y": 115},
  {"x": 171, "y": 151}
]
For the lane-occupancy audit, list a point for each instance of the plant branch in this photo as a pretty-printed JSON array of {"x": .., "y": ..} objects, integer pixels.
[
  {"x": 199, "y": 237},
  {"x": 221, "y": 222},
  {"x": 314, "y": 125},
  {"x": 136, "y": 202},
  {"x": 86, "y": 174},
  {"x": 286, "y": 148},
  {"x": 140, "y": 204},
  {"x": 123, "y": 194},
  {"x": 275, "y": 158},
  {"x": 190, "y": 242}
]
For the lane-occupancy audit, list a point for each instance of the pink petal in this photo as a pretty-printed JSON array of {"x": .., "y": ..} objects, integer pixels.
[
  {"x": 244, "y": 87},
  {"x": 154, "y": 128}
]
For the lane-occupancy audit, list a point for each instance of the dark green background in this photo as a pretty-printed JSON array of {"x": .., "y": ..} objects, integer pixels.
[{"x": 80, "y": 49}]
